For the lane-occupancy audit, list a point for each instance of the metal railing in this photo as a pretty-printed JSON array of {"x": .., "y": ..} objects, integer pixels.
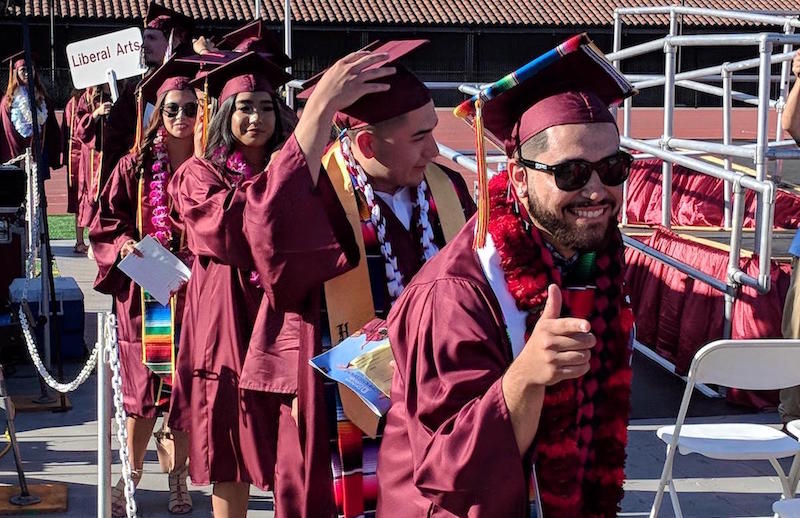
[{"x": 671, "y": 150}]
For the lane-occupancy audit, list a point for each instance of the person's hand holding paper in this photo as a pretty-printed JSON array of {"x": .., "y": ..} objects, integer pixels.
[{"x": 155, "y": 269}]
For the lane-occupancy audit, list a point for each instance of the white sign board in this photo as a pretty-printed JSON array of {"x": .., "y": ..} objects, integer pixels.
[{"x": 90, "y": 60}]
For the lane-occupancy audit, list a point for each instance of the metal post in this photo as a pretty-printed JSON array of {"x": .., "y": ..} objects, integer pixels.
[
  {"x": 103, "y": 423},
  {"x": 733, "y": 259},
  {"x": 786, "y": 69},
  {"x": 24, "y": 497},
  {"x": 669, "y": 113},
  {"x": 44, "y": 304},
  {"x": 257, "y": 10},
  {"x": 29, "y": 209},
  {"x": 617, "y": 45},
  {"x": 51, "y": 6},
  {"x": 727, "y": 105},
  {"x": 762, "y": 137},
  {"x": 287, "y": 46}
]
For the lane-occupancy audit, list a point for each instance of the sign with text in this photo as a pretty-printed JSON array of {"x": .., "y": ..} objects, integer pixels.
[{"x": 90, "y": 60}]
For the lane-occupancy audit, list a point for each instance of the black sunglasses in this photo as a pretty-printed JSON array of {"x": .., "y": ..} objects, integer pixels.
[
  {"x": 172, "y": 110},
  {"x": 574, "y": 174}
]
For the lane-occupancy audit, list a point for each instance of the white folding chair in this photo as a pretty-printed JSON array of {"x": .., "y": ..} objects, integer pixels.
[
  {"x": 787, "y": 508},
  {"x": 742, "y": 364}
]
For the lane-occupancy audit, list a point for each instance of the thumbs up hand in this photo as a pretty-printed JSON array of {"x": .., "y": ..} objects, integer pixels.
[{"x": 559, "y": 348}]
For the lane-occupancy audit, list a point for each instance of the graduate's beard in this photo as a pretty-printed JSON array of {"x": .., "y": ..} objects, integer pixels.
[{"x": 570, "y": 236}]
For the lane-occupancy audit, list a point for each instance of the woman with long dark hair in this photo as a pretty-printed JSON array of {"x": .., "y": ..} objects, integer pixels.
[
  {"x": 17, "y": 116},
  {"x": 134, "y": 204},
  {"x": 229, "y": 430}
]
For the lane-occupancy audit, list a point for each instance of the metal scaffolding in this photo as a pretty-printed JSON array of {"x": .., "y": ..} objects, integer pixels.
[{"x": 672, "y": 150}]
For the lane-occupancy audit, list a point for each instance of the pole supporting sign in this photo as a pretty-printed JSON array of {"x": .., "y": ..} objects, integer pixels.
[{"x": 90, "y": 60}]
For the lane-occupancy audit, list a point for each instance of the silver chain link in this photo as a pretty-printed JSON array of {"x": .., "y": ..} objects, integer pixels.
[
  {"x": 33, "y": 250},
  {"x": 110, "y": 350},
  {"x": 37, "y": 361},
  {"x": 111, "y": 355},
  {"x": 13, "y": 161}
]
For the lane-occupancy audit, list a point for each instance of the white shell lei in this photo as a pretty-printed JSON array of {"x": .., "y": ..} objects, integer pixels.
[
  {"x": 394, "y": 278},
  {"x": 21, "y": 113}
]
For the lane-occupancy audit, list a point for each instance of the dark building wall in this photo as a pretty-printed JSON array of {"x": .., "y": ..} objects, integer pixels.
[{"x": 465, "y": 55}]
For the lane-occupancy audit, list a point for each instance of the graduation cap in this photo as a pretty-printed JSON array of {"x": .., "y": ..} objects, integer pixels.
[
  {"x": 406, "y": 92},
  {"x": 17, "y": 59},
  {"x": 204, "y": 63},
  {"x": 255, "y": 37},
  {"x": 173, "y": 75},
  {"x": 166, "y": 20},
  {"x": 248, "y": 72},
  {"x": 571, "y": 84}
]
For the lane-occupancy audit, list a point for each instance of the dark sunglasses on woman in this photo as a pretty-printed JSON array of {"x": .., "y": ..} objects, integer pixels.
[
  {"x": 574, "y": 174},
  {"x": 171, "y": 110}
]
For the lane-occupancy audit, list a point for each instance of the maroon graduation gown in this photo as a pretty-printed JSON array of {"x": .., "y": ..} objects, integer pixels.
[
  {"x": 87, "y": 132},
  {"x": 301, "y": 238},
  {"x": 114, "y": 225},
  {"x": 105, "y": 141},
  {"x": 71, "y": 153},
  {"x": 229, "y": 431},
  {"x": 448, "y": 446},
  {"x": 12, "y": 144}
]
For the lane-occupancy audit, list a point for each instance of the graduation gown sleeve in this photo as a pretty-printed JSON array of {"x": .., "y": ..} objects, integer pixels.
[
  {"x": 212, "y": 210},
  {"x": 461, "y": 446},
  {"x": 298, "y": 232},
  {"x": 114, "y": 225}
]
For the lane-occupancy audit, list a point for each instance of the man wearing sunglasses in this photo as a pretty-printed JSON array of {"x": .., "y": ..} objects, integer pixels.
[{"x": 511, "y": 391}]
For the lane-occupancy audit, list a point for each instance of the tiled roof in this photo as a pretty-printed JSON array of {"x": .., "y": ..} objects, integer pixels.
[{"x": 483, "y": 13}]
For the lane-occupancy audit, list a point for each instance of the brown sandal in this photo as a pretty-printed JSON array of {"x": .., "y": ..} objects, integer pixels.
[
  {"x": 180, "y": 501},
  {"x": 118, "y": 504}
]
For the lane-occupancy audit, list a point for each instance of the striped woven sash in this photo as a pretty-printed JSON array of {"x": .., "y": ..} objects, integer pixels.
[{"x": 159, "y": 341}]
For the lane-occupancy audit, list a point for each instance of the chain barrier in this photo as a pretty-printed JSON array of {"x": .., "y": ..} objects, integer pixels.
[
  {"x": 33, "y": 250},
  {"x": 16, "y": 160},
  {"x": 111, "y": 355},
  {"x": 107, "y": 348}
]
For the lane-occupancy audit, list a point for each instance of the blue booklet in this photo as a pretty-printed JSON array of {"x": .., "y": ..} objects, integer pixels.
[{"x": 361, "y": 363}]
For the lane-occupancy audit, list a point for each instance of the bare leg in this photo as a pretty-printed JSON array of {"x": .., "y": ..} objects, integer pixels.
[
  {"x": 180, "y": 501},
  {"x": 139, "y": 431},
  {"x": 229, "y": 499}
]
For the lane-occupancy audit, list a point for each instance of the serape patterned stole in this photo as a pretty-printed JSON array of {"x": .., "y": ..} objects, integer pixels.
[
  {"x": 159, "y": 342},
  {"x": 160, "y": 334}
]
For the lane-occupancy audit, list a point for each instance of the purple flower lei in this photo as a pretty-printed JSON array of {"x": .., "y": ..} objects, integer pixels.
[
  {"x": 158, "y": 191},
  {"x": 234, "y": 163}
]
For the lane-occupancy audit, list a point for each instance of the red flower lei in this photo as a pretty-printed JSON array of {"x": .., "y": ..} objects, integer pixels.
[
  {"x": 238, "y": 171},
  {"x": 579, "y": 449}
]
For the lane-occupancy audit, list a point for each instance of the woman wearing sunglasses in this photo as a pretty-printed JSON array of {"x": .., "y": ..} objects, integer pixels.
[{"x": 134, "y": 204}]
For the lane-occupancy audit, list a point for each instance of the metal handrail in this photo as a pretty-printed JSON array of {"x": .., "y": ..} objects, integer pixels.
[{"x": 714, "y": 13}]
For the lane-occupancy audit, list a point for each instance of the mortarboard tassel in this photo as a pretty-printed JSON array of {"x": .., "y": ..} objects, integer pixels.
[
  {"x": 482, "y": 224},
  {"x": 168, "y": 53},
  {"x": 139, "y": 117},
  {"x": 206, "y": 114}
]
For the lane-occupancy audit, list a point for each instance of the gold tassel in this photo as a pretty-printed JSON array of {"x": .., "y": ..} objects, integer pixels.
[
  {"x": 139, "y": 116},
  {"x": 206, "y": 115},
  {"x": 482, "y": 225}
]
